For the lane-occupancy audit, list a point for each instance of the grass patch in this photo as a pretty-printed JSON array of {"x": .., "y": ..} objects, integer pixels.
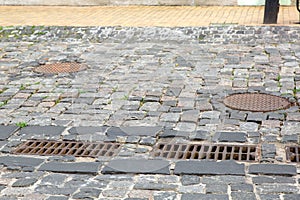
[{"x": 21, "y": 124}]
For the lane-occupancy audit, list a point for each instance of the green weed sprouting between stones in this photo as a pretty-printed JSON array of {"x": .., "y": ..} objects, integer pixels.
[{"x": 21, "y": 124}]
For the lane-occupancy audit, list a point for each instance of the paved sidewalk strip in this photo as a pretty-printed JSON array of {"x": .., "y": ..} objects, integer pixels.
[{"x": 141, "y": 16}]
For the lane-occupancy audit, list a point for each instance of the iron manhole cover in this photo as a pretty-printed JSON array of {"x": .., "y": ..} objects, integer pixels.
[
  {"x": 57, "y": 68},
  {"x": 256, "y": 102},
  {"x": 207, "y": 152},
  {"x": 293, "y": 153},
  {"x": 71, "y": 148}
]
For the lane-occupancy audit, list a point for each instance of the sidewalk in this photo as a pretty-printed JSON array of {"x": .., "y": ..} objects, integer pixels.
[{"x": 168, "y": 16}]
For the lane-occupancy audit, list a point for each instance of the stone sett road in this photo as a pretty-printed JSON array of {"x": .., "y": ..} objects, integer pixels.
[{"x": 144, "y": 86}]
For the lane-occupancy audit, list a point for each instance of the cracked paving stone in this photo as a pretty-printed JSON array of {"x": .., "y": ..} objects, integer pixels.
[
  {"x": 273, "y": 169},
  {"x": 209, "y": 168},
  {"x": 72, "y": 167},
  {"x": 6, "y": 131},
  {"x": 137, "y": 166}
]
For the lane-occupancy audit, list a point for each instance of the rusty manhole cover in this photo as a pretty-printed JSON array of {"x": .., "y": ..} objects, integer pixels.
[
  {"x": 71, "y": 148},
  {"x": 256, "y": 102},
  {"x": 293, "y": 153},
  {"x": 57, "y": 68},
  {"x": 248, "y": 153}
]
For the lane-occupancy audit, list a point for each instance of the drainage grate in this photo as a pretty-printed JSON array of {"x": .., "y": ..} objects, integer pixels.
[
  {"x": 206, "y": 152},
  {"x": 293, "y": 153},
  {"x": 63, "y": 148},
  {"x": 256, "y": 102},
  {"x": 57, "y": 68}
]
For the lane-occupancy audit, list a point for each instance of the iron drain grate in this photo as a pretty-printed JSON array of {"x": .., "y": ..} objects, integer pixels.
[
  {"x": 256, "y": 102},
  {"x": 57, "y": 68},
  {"x": 293, "y": 153},
  {"x": 207, "y": 152},
  {"x": 64, "y": 148}
]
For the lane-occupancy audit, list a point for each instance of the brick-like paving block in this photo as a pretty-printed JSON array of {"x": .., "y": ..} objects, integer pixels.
[
  {"x": 42, "y": 131},
  {"x": 134, "y": 131},
  {"x": 204, "y": 197},
  {"x": 137, "y": 166},
  {"x": 72, "y": 167},
  {"x": 6, "y": 131},
  {"x": 273, "y": 169},
  {"x": 209, "y": 168},
  {"x": 230, "y": 137}
]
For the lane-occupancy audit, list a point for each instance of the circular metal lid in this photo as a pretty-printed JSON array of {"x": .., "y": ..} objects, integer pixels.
[
  {"x": 57, "y": 68},
  {"x": 256, "y": 102}
]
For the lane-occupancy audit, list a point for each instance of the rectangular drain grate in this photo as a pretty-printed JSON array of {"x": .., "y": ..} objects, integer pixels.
[
  {"x": 207, "y": 152},
  {"x": 293, "y": 153},
  {"x": 64, "y": 148}
]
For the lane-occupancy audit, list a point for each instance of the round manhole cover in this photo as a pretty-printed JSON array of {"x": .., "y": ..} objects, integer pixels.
[
  {"x": 57, "y": 68},
  {"x": 256, "y": 102}
]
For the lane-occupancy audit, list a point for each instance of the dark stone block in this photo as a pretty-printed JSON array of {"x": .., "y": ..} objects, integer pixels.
[
  {"x": 274, "y": 179},
  {"x": 57, "y": 198},
  {"x": 16, "y": 161},
  {"x": 87, "y": 130},
  {"x": 6, "y": 131},
  {"x": 242, "y": 187},
  {"x": 190, "y": 180},
  {"x": 44, "y": 131},
  {"x": 200, "y": 135},
  {"x": 291, "y": 197},
  {"x": 230, "y": 137},
  {"x": 269, "y": 197},
  {"x": 72, "y": 167},
  {"x": 173, "y": 133},
  {"x": 268, "y": 150},
  {"x": 134, "y": 131},
  {"x": 273, "y": 169},
  {"x": 137, "y": 166},
  {"x": 290, "y": 138},
  {"x": 87, "y": 193},
  {"x": 24, "y": 182},
  {"x": 155, "y": 186},
  {"x": 220, "y": 188},
  {"x": 204, "y": 197},
  {"x": 209, "y": 168}
]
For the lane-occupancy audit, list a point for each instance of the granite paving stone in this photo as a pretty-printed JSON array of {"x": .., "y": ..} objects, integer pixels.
[
  {"x": 230, "y": 137},
  {"x": 273, "y": 169},
  {"x": 209, "y": 168},
  {"x": 18, "y": 161},
  {"x": 71, "y": 167},
  {"x": 6, "y": 131},
  {"x": 204, "y": 197},
  {"x": 137, "y": 166}
]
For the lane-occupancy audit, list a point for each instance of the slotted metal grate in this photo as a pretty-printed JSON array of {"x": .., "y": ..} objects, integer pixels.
[
  {"x": 207, "y": 152},
  {"x": 57, "y": 68},
  {"x": 293, "y": 153},
  {"x": 256, "y": 102},
  {"x": 63, "y": 148}
]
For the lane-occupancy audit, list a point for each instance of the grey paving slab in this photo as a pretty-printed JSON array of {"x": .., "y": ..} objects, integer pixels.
[
  {"x": 19, "y": 161},
  {"x": 204, "y": 196},
  {"x": 273, "y": 169},
  {"x": 6, "y": 131},
  {"x": 137, "y": 166},
  {"x": 41, "y": 131},
  {"x": 209, "y": 168},
  {"x": 71, "y": 167}
]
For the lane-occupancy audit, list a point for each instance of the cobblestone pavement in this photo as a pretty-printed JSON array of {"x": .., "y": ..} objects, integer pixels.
[
  {"x": 144, "y": 86},
  {"x": 141, "y": 16}
]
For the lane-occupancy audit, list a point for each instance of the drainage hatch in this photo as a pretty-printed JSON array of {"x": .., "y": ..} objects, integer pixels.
[
  {"x": 256, "y": 102},
  {"x": 57, "y": 68},
  {"x": 293, "y": 153},
  {"x": 207, "y": 152},
  {"x": 71, "y": 148}
]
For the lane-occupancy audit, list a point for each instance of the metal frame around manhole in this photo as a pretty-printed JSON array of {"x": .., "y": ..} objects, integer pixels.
[
  {"x": 293, "y": 153},
  {"x": 67, "y": 148},
  {"x": 56, "y": 68},
  {"x": 256, "y": 102},
  {"x": 246, "y": 153}
]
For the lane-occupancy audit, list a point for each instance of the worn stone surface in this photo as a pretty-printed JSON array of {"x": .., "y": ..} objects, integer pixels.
[
  {"x": 137, "y": 166},
  {"x": 76, "y": 167},
  {"x": 209, "y": 167},
  {"x": 273, "y": 169}
]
